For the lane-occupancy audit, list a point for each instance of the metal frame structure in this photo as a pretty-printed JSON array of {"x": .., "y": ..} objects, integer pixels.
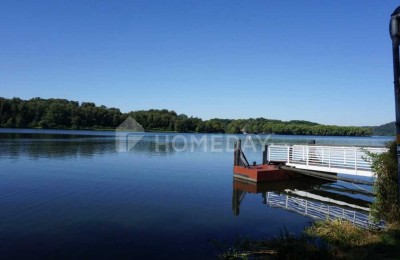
[
  {"x": 321, "y": 211},
  {"x": 333, "y": 159}
]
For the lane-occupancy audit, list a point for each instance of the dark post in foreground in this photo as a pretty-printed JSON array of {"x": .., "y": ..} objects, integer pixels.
[{"x": 395, "y": 36}]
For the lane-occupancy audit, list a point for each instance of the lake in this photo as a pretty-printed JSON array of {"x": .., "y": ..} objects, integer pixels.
[{"x": 81, "y": 194}]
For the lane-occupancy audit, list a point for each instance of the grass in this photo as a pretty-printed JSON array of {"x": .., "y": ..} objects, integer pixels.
[
  {"x": 335, "y": 239},
  {"x": 284, "y": 246},
  {"x": 343, "y": 233},
  {"x": 356, "y": 243}
]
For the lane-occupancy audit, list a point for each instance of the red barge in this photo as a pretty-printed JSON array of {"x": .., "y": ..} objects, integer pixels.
[{"x": 257, "y": 173}]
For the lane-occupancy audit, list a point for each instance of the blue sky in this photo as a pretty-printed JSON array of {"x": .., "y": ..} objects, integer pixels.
[{"x": 323, "y": 61}]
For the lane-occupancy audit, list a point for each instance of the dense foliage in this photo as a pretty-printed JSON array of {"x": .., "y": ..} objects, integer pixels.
[
  {"x": 386, "y": 129},
  {"x": 56, "y": 113},
  {"x": 62, "y": 113},
  {"x": 386, "y": 204}
]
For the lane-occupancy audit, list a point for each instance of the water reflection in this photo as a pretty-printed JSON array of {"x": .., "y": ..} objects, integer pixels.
[
  {"x": 55, "y": 146},
  {"x": 141, "y": 203},
  {"x": 317, "y": 199},
  {"x": 69, "y": 143}
]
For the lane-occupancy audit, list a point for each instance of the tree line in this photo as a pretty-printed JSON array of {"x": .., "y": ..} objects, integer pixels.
[
  {"x": 56, "y": 113},
  {"x": 62, "y": 113}
]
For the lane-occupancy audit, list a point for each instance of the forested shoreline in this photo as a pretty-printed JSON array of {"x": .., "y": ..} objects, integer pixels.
[{"x": 66, "y": 114}]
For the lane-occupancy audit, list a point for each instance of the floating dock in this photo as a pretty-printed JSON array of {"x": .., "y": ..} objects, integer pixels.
[
  {"x": 282, "y": 162},
  {"x": 258, "y": 173},
  {"x": 349, "y": 160}
]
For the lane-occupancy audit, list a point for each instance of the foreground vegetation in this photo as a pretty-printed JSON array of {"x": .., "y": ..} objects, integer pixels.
[
  {"x": 334, "y": 239},
  {"x": 66, "y": 114},
  {"x": 386, "y": 204},
  {"x": 338, "y": 239}
]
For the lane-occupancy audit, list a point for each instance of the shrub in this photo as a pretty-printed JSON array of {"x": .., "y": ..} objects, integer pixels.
[{"x": 386, "y": 204}]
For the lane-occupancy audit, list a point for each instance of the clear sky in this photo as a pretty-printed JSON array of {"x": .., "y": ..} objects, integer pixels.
[{"x": 323, "y": 61}]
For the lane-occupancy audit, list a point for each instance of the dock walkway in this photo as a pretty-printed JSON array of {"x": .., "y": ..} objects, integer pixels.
[{"x": 332, "y": 159}]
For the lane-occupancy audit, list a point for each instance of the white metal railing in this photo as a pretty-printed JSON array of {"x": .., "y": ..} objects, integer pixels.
[
  {"x": 348, "y": 160},
  {"x": 320, "y": 211}
]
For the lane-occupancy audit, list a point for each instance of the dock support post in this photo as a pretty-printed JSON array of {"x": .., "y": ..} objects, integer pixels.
[
  {"x": 236, "y": 154},
  {"x": 356, "y": 159},
  {"x": 288, "y": 154},
  {"x": 265, "y": 159},
  {"x": 330, "y": 158}
]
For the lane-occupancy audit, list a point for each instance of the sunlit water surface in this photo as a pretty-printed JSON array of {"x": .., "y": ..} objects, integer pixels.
[{"x": 76, "y": 194}]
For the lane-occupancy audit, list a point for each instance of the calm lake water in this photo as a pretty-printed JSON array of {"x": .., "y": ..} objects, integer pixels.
[{"x": 77, "y": 194}]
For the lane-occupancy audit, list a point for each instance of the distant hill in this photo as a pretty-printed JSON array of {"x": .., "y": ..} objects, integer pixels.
[{"x": 388, "y": 129}]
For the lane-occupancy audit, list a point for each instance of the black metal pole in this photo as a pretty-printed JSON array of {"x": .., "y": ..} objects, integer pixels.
[
  {"x": 265, "y": 155},
  {"x": 396, "y": 83},
  {"x": 236, "y": 156},
  {"x": 394, "y": 34}
]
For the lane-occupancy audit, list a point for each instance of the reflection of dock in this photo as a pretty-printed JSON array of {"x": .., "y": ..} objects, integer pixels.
[
  {"x": 319, "y": 210},
  {"x": 303, "y": 197}
]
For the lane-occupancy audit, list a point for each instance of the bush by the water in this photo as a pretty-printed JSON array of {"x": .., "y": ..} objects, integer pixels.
[{"x": 386, "y": 204}]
